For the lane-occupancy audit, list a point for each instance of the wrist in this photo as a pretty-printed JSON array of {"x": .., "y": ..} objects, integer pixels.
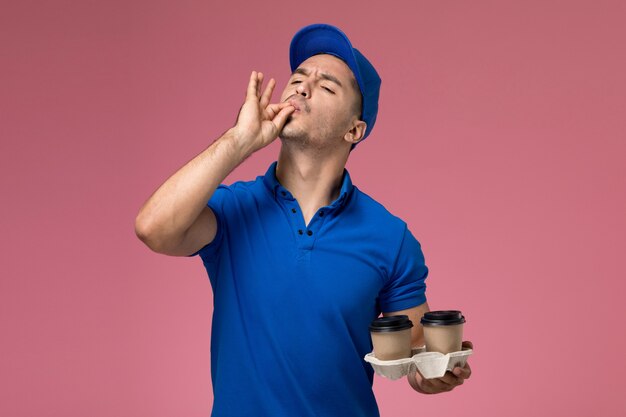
[{"x": 237, "y": 147}]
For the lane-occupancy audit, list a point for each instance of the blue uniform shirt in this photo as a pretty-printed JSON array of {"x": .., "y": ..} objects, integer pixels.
[{"x": 293, "y": 302}]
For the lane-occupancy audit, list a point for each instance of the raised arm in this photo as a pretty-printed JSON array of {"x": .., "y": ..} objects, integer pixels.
[{"x": 175, "y": 220}]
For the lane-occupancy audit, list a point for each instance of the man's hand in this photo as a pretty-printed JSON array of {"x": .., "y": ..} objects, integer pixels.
[
  {"x": 444, "y": 384},
  {"x": 259, "y": 123}
]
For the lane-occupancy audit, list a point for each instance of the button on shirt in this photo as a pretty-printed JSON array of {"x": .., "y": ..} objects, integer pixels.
[{"x": 293, "y": 301}]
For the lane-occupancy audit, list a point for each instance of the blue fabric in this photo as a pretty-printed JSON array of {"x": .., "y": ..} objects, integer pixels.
[{"x": 291, "y": 311}]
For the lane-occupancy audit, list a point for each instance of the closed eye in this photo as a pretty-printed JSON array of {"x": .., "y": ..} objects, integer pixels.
[{"x": 325, "y": 88}]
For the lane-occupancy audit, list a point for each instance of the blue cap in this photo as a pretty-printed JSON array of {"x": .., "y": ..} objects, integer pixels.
[{"x": 321, "y": 38}]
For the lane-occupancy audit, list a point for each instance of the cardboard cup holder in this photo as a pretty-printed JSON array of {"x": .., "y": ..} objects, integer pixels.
[{"x": 430, "y": 364}]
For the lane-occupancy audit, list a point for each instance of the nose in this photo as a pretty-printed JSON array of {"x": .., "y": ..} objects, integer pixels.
[{"x": 303, "y": 89}]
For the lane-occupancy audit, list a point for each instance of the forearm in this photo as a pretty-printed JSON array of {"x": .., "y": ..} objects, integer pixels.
[{"x": 178, "y": 202}]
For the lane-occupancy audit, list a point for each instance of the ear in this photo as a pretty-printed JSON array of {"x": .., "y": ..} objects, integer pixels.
[{"x": 356, "y": 133}]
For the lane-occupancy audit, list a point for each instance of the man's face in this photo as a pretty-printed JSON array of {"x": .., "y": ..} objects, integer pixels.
[{"x": 326, "y": 96}]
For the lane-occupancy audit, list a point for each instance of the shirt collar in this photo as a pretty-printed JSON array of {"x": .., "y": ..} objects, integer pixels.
[{"x": 277, "y": 190}]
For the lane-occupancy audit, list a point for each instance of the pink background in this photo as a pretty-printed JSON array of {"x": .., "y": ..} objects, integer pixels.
[{"x": 500, "y": 141}]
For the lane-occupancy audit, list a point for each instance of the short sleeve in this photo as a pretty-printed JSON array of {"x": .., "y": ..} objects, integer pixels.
[
  {"x": 218, "y": 203},
  {"x": 406, "y": 287}
]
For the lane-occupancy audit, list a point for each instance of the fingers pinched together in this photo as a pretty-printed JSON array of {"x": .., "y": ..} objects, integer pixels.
[{"x": 259, "y": 122}]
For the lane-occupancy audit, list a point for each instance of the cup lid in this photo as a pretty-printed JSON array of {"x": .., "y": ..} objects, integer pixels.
[
  {"x": 442, "y": 318},
  {"x": 391, "y": 323}
]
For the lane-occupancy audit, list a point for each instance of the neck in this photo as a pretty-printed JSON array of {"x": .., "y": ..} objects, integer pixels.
[{"x": 314, "y": 180}]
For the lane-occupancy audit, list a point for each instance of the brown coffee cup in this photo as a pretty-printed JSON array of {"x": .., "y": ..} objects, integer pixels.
[
  {"x": 391, "y": 337},
  {"x": 443, "y": 330}
]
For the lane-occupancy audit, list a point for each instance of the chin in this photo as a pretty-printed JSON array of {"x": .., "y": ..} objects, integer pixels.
[{"x": 291, "y": 132}]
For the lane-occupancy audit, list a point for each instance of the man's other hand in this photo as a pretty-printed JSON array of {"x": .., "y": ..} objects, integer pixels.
[{"x": 446, "y": 383}]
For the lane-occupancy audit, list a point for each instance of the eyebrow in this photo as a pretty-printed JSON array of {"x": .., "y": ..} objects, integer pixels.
[{"x": 323, "y": 75}]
